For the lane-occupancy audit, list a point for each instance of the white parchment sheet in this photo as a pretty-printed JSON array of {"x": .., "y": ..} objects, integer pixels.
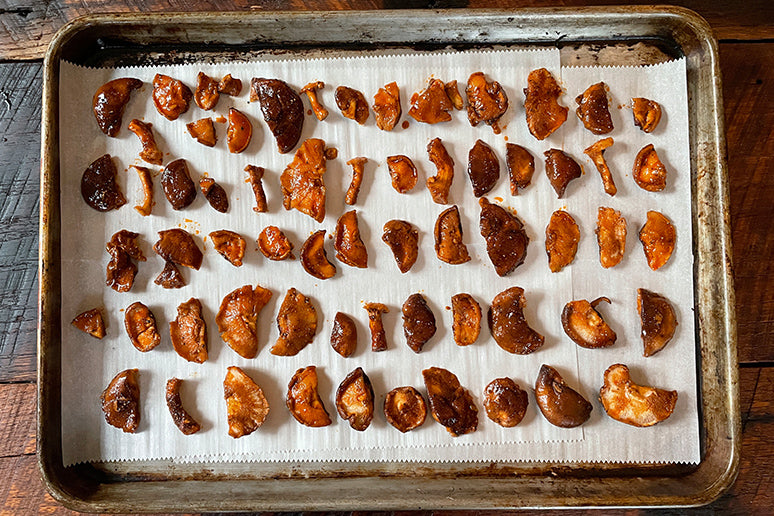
[{"x": 89, "y": 364}]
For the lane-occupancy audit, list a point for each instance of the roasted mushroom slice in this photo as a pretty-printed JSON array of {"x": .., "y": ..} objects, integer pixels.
[
  {"x": 170, "y": 276},
  {"x": 466, "y": 319},
  {"x": 431, "y": 105},
  {"x": 483, "y": 168},
  {"x": 440, "y": 183},
  {"x": 350, "y": 248},
  {"x": 633, "y": 404},
  {"x": 150, "y": 151},
  {"x": 121, "y": 401},
  {"x": 344, "y": 335},
  {"x": 274, "y": 245},
  {"x": 140, "y": 325},
  {"x": 376, "y": 326},
  {"x": 658, "y": 237},
  {"x": 647, "y": 114},
  {"x": 585, "y": 326},
  {"x": 302, "y": 180},
  {"x": 611, "y": 236},
  {"x": 282, "y": 110},
  {"x": 182, "y": 419},
  {"x": 311, "y": 92},
  {"x": 98, "y": 185},
  {"x": 314, "y": 259},
  {"x": 170, "y": 96},
  {"x": 358, "y": 165},
  {"x": 597, "y": 154},
  {"x": 296, "y": 322},
  {"x": 561, "y": 405},
  {"x": 453, "y": 92},
  {"x": 229, "y": 245},
  {"x": 352, "y": 104},
  {"x": 403, "y": 240},
  {"x": 214, "y": 193},
  {"x": 121, "y": 271},
  {"x": 355, "y": 400},
  {"x": 189, "y": 332},
  {"x": 304, "y": 401},
  {"x": 505, "y": 402},
  {"x": 255, "y": 176},
  {"x": 450, "y": 403},
  {"x": 246, "y": 405},
  {"x": 207, "y": 93},
  {"x": 90, "y": 322},
  {"x": 544, "y": 113},
  {"x": 520, "y": 165},
  {"x": 649, "y": 172},
  {"x": 146, "y": 181},
  {"x": 418, "y": 322},
  {"x": 561, "y": 169},
  {"x": 508, "y": 325},
  {"x": 562, "y": 237},
  {"x": 593, "y": 109},
  {"x": 487, "y": 101},
  {"x": 203, "y": 131},
  {"x": 386, "y": 106},
  {"x": 230, "y": 86},
  {"x": 658, "y": 319},
  {"x": 239, "y": 132},
  {"x": 177, "y": 245},
  {"x": 506, "y": 238},
  {"x": 448, "y": 238},
  {"x": 404, "y": 408},
  {"x": 237, "y": 318},
  {"x": 402, "y": 172},
  {"x": 109, "y": 102},
  {"x": 178, "y": 187}
]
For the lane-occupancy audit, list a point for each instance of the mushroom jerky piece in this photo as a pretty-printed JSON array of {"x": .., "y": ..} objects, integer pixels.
[
  {"x": 633, "y": 404},
  {"x": 255, "y": 176},
  {"x": 355, "y": 400},
  {"x": 649, "y": 172},
  {"x": 109, "y": 102},
  {"x": 237, "y": 318},
  {"x": 178, "y": 187},
  {"x": 440, "y": 183},
  {"x": 593, "y": 109},
  {"x": 453, "y": 92},
  {"x": 314, "y": 259},
  {"x": 418, "y": 322},
  {"x": 239, "y": 131},
  {"x": 90, "y": 322},
  {"x": 189, "y": 332},
  {"x": 214, "y": 193},
  {"x": 126, "y": 241},
  {"x": 505, "y": 402},
  {"x": 302, "y": 180},
  {"x": 344, "y": 335},
  {"x": 170, "y": 96},
  {"x": 611, "y": 236},
  {"x": 466, "y": 319},
  {"x": 597, "y": 154},
  {"x": 98, "y": 185},
  {"x": 352, "y": 104},
  {"x": 483, "y": 168},
  {"x": 177, "y": 246},
  {"x": 274, "y": 245},
  {"x": 121, "y": 401},
  {"x": 304, "y": 401},
  {"x": 203, "y": 131},
  {"x": 170, "y": 277},
  {"x": 282, "y": 110},
  {"x": 520, "y": 165},
  {"x": 450, "y": 403},
  {"x": 140, "y": 325},
  {"x": 403, "y": 240},
  {"x": 561, "y": 169},
  {"x": 144, "y": 174},
  {"x": 561, "y": 405},
  {"x": 658, "y": 320},
  {"x": 402, "y": 172},
  {"x": 658, "y": 237},
  {"x": 544, "y": 113},
  {"x": 508, "y": 325},
  {"x": 182, "y": 419},
  {"x": 386, "y": 106},
  {"x": 562, "y": 237},
  {"x": 585, "y": 326},
  {"x": 506, "y": 238},
  {"x": 405, "y": 408},
  {"x": 230, "y": 86},
  {"x": 357, "y": 164},
  {"x": 376, "y": 326},
  {"x": 246, "y": 405},
  {"x": 206, "y": 94},
  {"x": 487, "y": 101},
  {"x": 647, "y": 114},
  {"x": 431, "y": 105},
  {"x": 448, "y": 238},
  {"x": 229, "y": 245},
  {"x": 297, "y": 324},
  {"x": 350, "y": 248},
  {"x": 121, "y": 271},
  {"x": 311, "y": 92},
  {"x": 150, "y": 150}
]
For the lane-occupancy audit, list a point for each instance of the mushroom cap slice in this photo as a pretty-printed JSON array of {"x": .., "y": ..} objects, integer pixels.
[
  {"x": 585, "y": 326},
  {"x": 237, "y": 318},
  {"x": 121, "y": 401},
  {"x": 508, "y": 325},
  {"x": 405, "y": 408},
  {"x": 314, "y": 258},
  {"x": 304, "y": 401},
  {"x": 297, "y": 324},
  {"x": 561, "y": 405},
  {"x": 633, "y": 404},
  {"x": 355, "y": 400},
  {"x": 246, "y": 404},
  {"x": 658, "y": 321},
  {"x": 450, "y": 403}
]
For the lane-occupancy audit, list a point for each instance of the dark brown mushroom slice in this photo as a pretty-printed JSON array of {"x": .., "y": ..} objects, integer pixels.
[
  {"x": 593, "y": 109},
  {"x": 170, "y": 96},
  {"x": 178, "y": 187},
  {"x": 189, "y": 332},
  {"x": 466, "y": 319},
  {"x": 520, "y": 165},
  {"x": 358, "y": 166},
  {"x": 274, "y": 245},
  {"x": 203, "y": 131},
  {"x": 611, "y": 236},
  {"x": 350, "y": 248},
  {"x": 647, "y": 113},
  {"x": 376, "y": 325},
  {"x": 585, "y": 326},
  {"x": 150, "y": 151},
  {"x": 344, "y": 335},
  {"x": 505, "y": 402},
  {"x": 561, "y": 405},
  {"x": 386, "y": 106},
  {"x": 403, "y": 173},
  {"x": 121, "y": 271},
  {"x": 296, "y": 322},
  {"x": 121, "y": 401},
  {"x": 658, "y": 238},
  {"x": 170, "y": 276},
  {"x": 314, "y": 259},
  {"x": 352, "y": 104},
  {"x": 405, "y": 408},
  {"x": 127, "y": 241},
  {"x": 214, "y": 193},
  {"x": 450, "y": 403},
  {"x": 311, "y": 92},
  {"x": 207, "y": 93},
  {"x": 239, "y": 132},
  {"x": 229, "y": 245},
  {"x": 658, "y": 320},
  {"x": 418, "y": 322},
  {"x": 487, "y": 101},
  {"x": 508, "y": 325},
  {"x": 255, "y": 176},
  {"x": 109, "y": 102},
  {"x": 182, "y": 419},
  {"x": 237, "y": 318},
  {"x": 541, "y": 105},
  {"x": 98, "y": 185},
  {"x": 282, "y": 110},
  {"x": 355, "y": 400},
  {"x": 246, "y": 405},
  {"x": 230, "y": 86},
  {"x": 144, "y": 174},
  {"x": 649, "y": 172},
  {"x": 302, "y": 180},
  {"x": 597, "y": 154},
  {"x": 448, "y": 238},
  {"x": 177, "y": 245},
  {"x": 506, "y": 238},
  {"x": 483, "y": 168},
  {"x": 140, "y": 325},
  {"x": 561, "y": 169},
  {"x": 562, "y": 237},
  {"x": 303, "y": 400},
  {"x": 90, "y": 322},
  {"x": 441, "y": 182},
  {"x": 403, "y": 240},
  {"x": 431, "y": 105},
  {"x": 636, "y": 405}
]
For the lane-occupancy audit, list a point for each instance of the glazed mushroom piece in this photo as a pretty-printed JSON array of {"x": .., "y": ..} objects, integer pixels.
[
  {"x": 144, "y": 174},
  {"x": 189, "y": 332},
  {"x": 358, "y": 166},
  {"x": 431, "y": 105},
  {"x": 505, "y": 402},
  {"x": 403, "y": 240},
  {"x": 405, "y": 408},
  {"x": 658, "y": 238},
  {"x": 376, "y": 326},
  {"x": 255, "y": 177},
  {"x": 303, "y": 399},
  {"x": 140, "y": 325},
  {"x": 296, "y": 322},
  {"x": 633, "y": 404},
  {"x": 344, "y": 335},
  {"x": 483, "y": 168},
  {"x": 585, "y": 326},
  {"x": 487, "y": 101},
  {"x": 182, "y": 419},
  {"x": 229, "y": 245},
  {"x": 178, "y": 187},
  {"x": 314, "y": 259},
  {"x": 121, "y": 401},
  {"x": 239, "y": 131},
  {"x": 302, "y": 180},
  {"x": 658, "y": 320},
  {"x": 282, "y": 110},
  {"x": 440, "y": 183},
  {"x": 170, "y": 277},
  {"x": 274, "y": 245},
  {"x": 352, "y": 104},
  {"x": 98, "y": 185},
  {"x": 648, "y": 171},
  {"x": 466, "y": 319},
  {"x": 449, "y": 246},
  {"x": 90, "y": 322},
  {"x": 230, "y": 86},
  {"x": 206, "y": 95},
  {"x": 203, "y": 131},
  {"x": 453, "y": 92},
  {"x": 611, "y": 236},
  {"x": 355, "y": 400},
  {"x": 402, "y": 172},
  {"x": 450, "y": 403},
  {"x": 109, "y": 103},
  {"x": 150, "y": 150},
  {"x": 561, "y": 405},
  {"x": 418, "y": 322},
  {"x": 121, "y": 269},
  {"x": 597, "y": 154},
  {"x": 311, "y": 92},
  {"x": 350, "y": 248},
  {"x": 386, "y": 106},
  {"x": 246, "y": 405},
  {"x": 562, "y": 237},
  {"x": 508, "y": 325},
  {"x": 170, "y": 96},
  {"x": 561, "y": 169},
  {"x": 215, "y": 194},
  {"x": 593, "y": 109},
  {"x": 176, "y": 245},
  {"x": 237, "y": 318},
  {"x": 544, "y": 113},
  {"x": 647, "y": 114},
  {"x": 520, "y": 165},
  {"x": 506, "y": 238}
]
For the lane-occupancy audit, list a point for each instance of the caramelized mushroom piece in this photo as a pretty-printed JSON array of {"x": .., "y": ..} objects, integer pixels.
[
  {"x": 520, "y": 165},
  {"x": 314, "y": 259},
  {"x": 561, "y": 169},
  {"x": 404, "y": 408},
  {"x": 658, "y": 237},
  {"x": 214, "y": 193},
  {"x": 487, "y": 101},
  {"x": 352, "y": 104},
  {"x": 140, "y": 325},
  {"x": 633, "y": 404},
  {"x": 90, "y": 322},
  {"x": 274, "y": 245},
  {"x": 593, "y": 109},
  {"x": 357, "y": 165},
  {"x": 246, "y": 405},
  {"x": 121, "y": 271},
  {"x": 355, "y": 400},
  {"x": 450, "y": 403},
  {"x": 144, "y": 174},
  {"x": 350, "y": 248},
  {"x": 206, "y": 94},
  {"x": 98, "y": 185},
  {"x": 649, "y": 172},
  {"x": 597, "y": 154},
  {"x": 506, "y": 238},
  {"x": 611, "y": 236},
  {"x": 431, "y": 105},
  {"x": 170, "y": 277},
  {"x": 150, "y": 151},
  {"x": 311, "y": 92},
  {"x": 177, "y": 245},
  {"x": 170, "y": 96},
  {"x": 562, "y": 237},
  {"x": 466, "y": 314},
  {"x": 440, "y": 183},
  {"x": 230, "y": 86},
  {"x": 585, "y": 326},
  {"x": 179, "y": 189},
  {"x": 386, "y": 106},
  {"x": 544, "y": 113},
  {"x": 203, "y": 131},
  {"x": 403, "y": 240},
  {"x": 658, "y": 319},
  {"x": 189, "y": 332},
  {"x": 375, "y": 325},
  {"x": 302, "y": 180},
  {"x": 239, "y": 132},
  {"x": 561, "y": 405},
  {"x": 505, "y": 402},
  {"x": 418, "y": 322},
  {"x": 344, "y": 335},
  {"x": 483, "y": 168},
  {"x": 304, "y": 401},
  {"x": 402, "y": 172},
  {"x": 255, "y": 176},
  {"x": 229, "y": 245},
  {"x": 282, "y": 110},
  {"x": 109, "y": 103},
  {"x": 182, "y": 419},
  {"x": 508, "y": 325},
  {"x": 121, "y": 401},
  {"x": 647, "y": 114},
  {"x": 448, "y": 238},
  {"x": 237, "y": 318},
  {"x": 297, "y": 324}
]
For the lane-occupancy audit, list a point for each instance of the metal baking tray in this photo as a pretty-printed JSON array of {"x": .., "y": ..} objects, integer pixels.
[{"x": 626, "y": 35}]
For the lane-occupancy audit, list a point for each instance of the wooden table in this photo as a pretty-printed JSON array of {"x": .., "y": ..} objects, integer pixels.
[{"x": 745, "y": 31}]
